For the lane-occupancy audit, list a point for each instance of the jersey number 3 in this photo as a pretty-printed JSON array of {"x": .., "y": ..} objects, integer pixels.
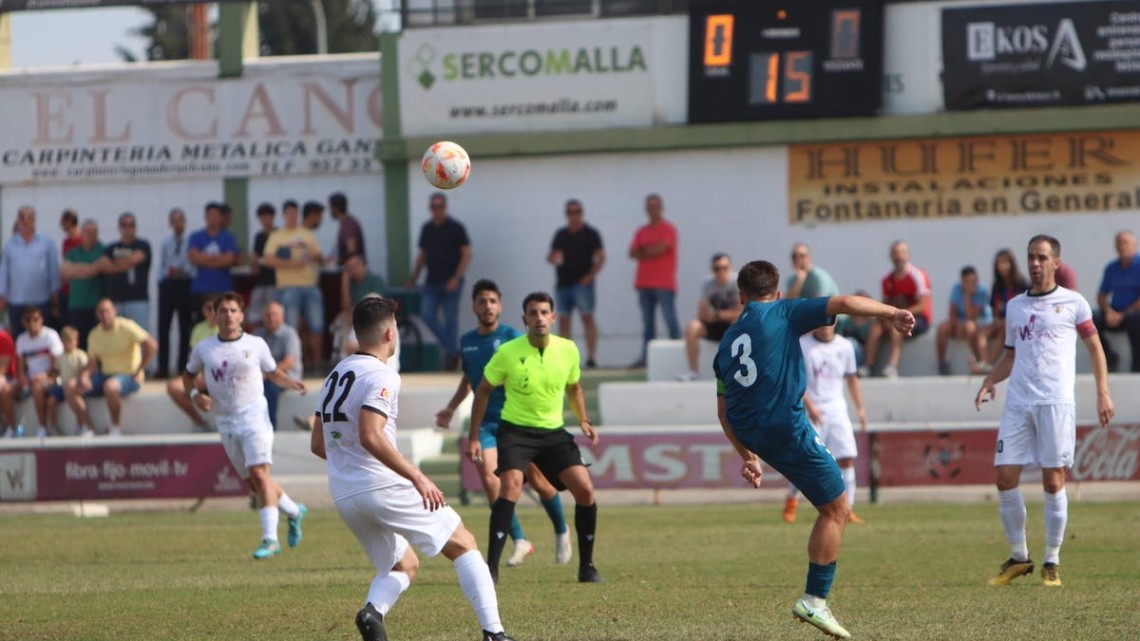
[
  {"x": 345, "y": 383},
  {"x": 742, "y": 349}
]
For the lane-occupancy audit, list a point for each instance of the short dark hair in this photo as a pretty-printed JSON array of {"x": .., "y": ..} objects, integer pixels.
[
  {"x": 1054, "y": 244},
  {"x": 339, "y": 202},
  {"x": 968, "y": 270},
  {"x": 484, "y": 285},
  {"x": 213, "y": 204},
  {"x": 758, "y": 279},
  {"x": 370, "y": 313},
  {"x": 537, "y": 297},
  {"x": 70, "y": 217},
  {"x": 265, "y": 209},
  {"x": 289, "y": 204},
  {"x": 225, "y": 297},
  {"x": 720, "y": 256},
  {"x": 311, "y": 207},
  {"x": 574, "y": 202},
  {"x": 437, "y": 195},
  {"x": 225, "y": 209},
  {"x": 31, "y": 311}
]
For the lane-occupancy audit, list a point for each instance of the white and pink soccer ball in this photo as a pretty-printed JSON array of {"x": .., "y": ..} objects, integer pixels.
[{"x": 446, "y": 165}]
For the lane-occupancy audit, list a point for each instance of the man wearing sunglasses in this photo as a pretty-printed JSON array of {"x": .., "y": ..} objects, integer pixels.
[{"x": 718, "y": 308}]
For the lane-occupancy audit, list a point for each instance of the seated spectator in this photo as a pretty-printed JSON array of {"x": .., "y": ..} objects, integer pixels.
[
  {"x": 36, "y": 351},
  {"x": 808, "y": 280},
  {"x": 969, "y": 319},
  {"x": 68, "y": 365},
  {"x": 858, "y": 329},
  {"x": 118, "y": 352},
  {"x": 908, "y": 287},
  {"x": 285, "y": 346},
  {"x": 1118, "y": 301},
  {"x": 1008, "y": 282},
  {"x": 8, "y": 383},
  {"x": 356, "y": 281},
  {"x": 1066, "y": 276},
  {"x": 205, "y": 328},
  {"x": 718, "y": 308}
]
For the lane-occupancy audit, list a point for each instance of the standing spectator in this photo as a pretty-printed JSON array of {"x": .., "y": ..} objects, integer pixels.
[
  {"x": 1008, "y": 282},
  {"x": 9, "y": 387},
  {"x": 654, "y": 247},
  {"x": 356, "y": 282},
  {"x": 907, "y": 287},
  {"x": 36, "y": 351},
  {"x": 126, "y": 272},
  {"x": 285, "y": 346},
  {"x": 446, "y": 252},
  {"x": 294, "y": 253},
  {"x": 1118, "y": 301},
  {"x": 81, "y": 270},
  {"x": 265, "y": 278},
  {"x": 807, "y": 280},
  {"x": 69, "y": 225},
  {"x": 213, "y": 251},
  {"x": 174, "y": 294},
  {"x": 29, "y": 271},
  {"x": 718, "y": 308},
  {"x": 969, "y": 320},
  {"x": 115, "y": 366},
  {"x": 578, "y": 256},
  {"x": 350, "y": 235}
]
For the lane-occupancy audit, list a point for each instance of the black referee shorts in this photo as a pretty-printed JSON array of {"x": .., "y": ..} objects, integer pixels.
[{"x": 551, "y": 450}]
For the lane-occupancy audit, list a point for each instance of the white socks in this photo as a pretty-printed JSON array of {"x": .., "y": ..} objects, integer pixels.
[
  {"x": 268, "y": 523},
  {"x": 386, "y": 590},
  {"x": 1012, "y": 512},
  {"x": 849, "y": 483},
  {"x": 286, "y": 505},
  {"x": 1056, "y": 517},
  {"x": 475, "y": 579}
]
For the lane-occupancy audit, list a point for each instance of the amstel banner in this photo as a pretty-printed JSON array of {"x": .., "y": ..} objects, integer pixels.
[{"x": 1071, "y": 173}]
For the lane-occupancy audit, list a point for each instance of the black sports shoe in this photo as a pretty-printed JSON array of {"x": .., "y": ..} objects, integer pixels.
[
  {"x": 496, "y": 636},
  {"x": 589, "y": 574},
  {"x": 371, "y": 624}
]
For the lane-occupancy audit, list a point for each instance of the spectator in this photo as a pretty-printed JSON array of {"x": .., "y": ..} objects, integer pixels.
[
  {"x": 174, "y": 294},
  {"x": 36, "y": 351},
  {"x": 1118, "y": 301},
  {"x": 293, "y": 251},
  {"x": 858, "y": 329},
  {"x": 68, "y": 365},
  {"x": 114, "y": 368},
  {"x": 126, "y": 273},
  {"x": 350, "y": 235},
  {"x": 69, "y": 225},
  {"x": 806, "y": 279},
  {"x": 9, "y": 387},
  {"x": 206, "y": 328},
  {"x": 81, "y": 270},
  {"x": 445, "y": 250},
  {"x": 1066, "y": 276},
  {"x": 213, "y": 251},
  {"x": 29, "y": 271},
  {"x": 285, "y": 346},
  {"x": 718, "y": 308},
  {"x": 356, "y": 281},
  {"x": 969, "y": 320},
  {"x": 907, "y": 287},
  {"x": 578, "y": 256},
  {"x": 1008, "y": 282},
  {"x": 654, "y": 247},
  {"x": 265, "y": 278}
]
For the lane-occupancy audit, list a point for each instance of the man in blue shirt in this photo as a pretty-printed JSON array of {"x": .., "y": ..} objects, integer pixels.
[
  {"x": 1118, "y": 301},
  {"x": 29, "y": 272},
  {"x": 970, "y": 316},
  {"x": 760, "y": 388},
  {"x": 213, "y": 251},
  {"x": 476, "y": 348}
]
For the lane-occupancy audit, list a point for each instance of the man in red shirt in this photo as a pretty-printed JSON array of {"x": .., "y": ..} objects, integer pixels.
[
  {"x": 654, "y": 247},
  {"x": 8, "y": 384},
  {"x": 906, "y": 287}
]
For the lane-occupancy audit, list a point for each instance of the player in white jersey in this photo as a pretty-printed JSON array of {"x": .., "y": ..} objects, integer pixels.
[
  {"x": 829, "y": 360},
  {"x": 232, "y": 364},
  {"x": 1038, "y": 426},
  {"x": 384, "y": 499}
]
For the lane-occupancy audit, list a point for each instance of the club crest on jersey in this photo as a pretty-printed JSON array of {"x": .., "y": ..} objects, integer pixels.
[
  {"x": 1057, "y": 309},
  {"x": 385, "y": 393}
]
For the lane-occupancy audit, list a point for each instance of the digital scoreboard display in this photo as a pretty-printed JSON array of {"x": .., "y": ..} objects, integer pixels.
[{"x": 762, "y": 60}]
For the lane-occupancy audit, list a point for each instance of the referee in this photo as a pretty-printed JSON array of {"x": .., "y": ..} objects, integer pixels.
[{"x": 537, "y": 370}]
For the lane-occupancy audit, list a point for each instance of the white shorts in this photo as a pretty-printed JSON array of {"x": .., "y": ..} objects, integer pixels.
[
  {"x": 1037, "y": 436},
  {"x": 248, "y": 449},
  {"x": 837, "y": 433},
  {"x": 385, "y": 521}
]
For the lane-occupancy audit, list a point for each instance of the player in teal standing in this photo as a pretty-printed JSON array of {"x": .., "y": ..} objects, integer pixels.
[
  {"x": 476, "y": 348},
  {"x": 760, "y": 388}
]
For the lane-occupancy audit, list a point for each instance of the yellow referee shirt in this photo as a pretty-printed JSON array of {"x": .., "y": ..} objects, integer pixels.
[{"x": 535, "y": 380}]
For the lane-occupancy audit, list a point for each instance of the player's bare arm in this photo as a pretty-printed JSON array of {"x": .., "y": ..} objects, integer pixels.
[
  {"x": 373, "y": 441},
  {"x": 814, "y": 415},
  {"x": 478, "y": 410},
  {"x": 902, "y": 320},
  {"x": 443, "y": 417},
  {"x": 578, "y": 407},
  {"x": 750, "y": 470},
  {"x": 1105, "y": 409},
  {"x": 999, "y": 373},
  {"x": 856, "y": 393},
  {"x": 317, "y": 438},
  {"x": 284, "y": 381}
]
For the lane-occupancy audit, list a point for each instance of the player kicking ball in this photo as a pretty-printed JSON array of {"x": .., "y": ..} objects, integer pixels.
[
  {"x": 233, "y": 362},
  {"x": 760, "y": 389},
  {"x": 385, "y": 500}
]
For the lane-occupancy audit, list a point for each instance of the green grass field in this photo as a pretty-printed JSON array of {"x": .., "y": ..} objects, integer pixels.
[{"x": 673, "y": 572}]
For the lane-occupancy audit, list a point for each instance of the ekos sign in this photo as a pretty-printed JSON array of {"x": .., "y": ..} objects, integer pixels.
[{"x": 1029, "y": 55}]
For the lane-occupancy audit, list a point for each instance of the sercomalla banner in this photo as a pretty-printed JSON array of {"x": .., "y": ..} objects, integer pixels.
[{"x": 38, "y": 5}]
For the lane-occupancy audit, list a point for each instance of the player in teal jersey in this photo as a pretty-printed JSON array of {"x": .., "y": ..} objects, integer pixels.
[
  {"x": 476, "y": 348},
  {"x": 760, "y": 388}
]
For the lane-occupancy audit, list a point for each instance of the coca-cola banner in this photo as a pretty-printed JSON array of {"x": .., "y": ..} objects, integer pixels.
[
  {"x": 121, "y": 471},
  {"x": 666, "y": 459},
  {"x": 966, "y": 457}
]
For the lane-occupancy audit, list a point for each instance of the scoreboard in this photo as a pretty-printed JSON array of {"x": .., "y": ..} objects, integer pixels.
[{"x": 763, "y": 60}]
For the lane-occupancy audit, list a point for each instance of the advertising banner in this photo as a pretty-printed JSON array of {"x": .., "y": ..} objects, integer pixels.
[
  {"x": 39, "y": 5},
  {"x": 184, "y": 470},
  {"x": 298, "y": 119},
  {"x": 1071, "y": 172},
  {"x": 1041, "y": 55}
]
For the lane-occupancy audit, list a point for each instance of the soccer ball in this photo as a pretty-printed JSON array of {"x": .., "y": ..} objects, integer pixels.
[{"x": 446, "y": 165}]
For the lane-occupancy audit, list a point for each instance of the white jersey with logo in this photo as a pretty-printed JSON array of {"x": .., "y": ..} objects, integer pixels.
[
  {"x": 233, "y": 372},
  {"x": 1043, "y": 329},
  {"x": 827, "y": 365},
  {"x": 39, "y": 352},
  {"x": 359, "y": 383}
]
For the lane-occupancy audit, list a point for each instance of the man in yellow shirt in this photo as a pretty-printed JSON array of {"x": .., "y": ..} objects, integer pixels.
[
  {"x": 118, "y": 352},
  {"x": 294, "y": 252},
  {"x": 537, "y": 370}
]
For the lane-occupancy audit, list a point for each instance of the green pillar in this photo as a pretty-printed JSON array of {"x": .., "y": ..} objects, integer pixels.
[
  {"x": 235, "y": 192},
  {"x": 237, "y": 37},
  {"x": 397, "y": 213}
]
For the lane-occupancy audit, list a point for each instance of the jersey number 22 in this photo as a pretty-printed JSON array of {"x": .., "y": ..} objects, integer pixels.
[{"x": 346, "y": 382}]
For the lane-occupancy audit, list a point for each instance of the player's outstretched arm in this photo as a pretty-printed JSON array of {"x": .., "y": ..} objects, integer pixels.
[
  {"x": 478, "y": 411},
  {"x": 856, "y": 393},
  {"x": 750, "y": 470},
  {"x": 443, "y": 417},
  {"x": 578, "y": 407},
  {"x": 900, "y": 319},
  {"x": 372, "y": 439},
  {"x": 999, "y": 373},
  {"x": 1105, "y": 409},
  {"x": 317, "y": 438},
  {"x": 284, "y": 381}
]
